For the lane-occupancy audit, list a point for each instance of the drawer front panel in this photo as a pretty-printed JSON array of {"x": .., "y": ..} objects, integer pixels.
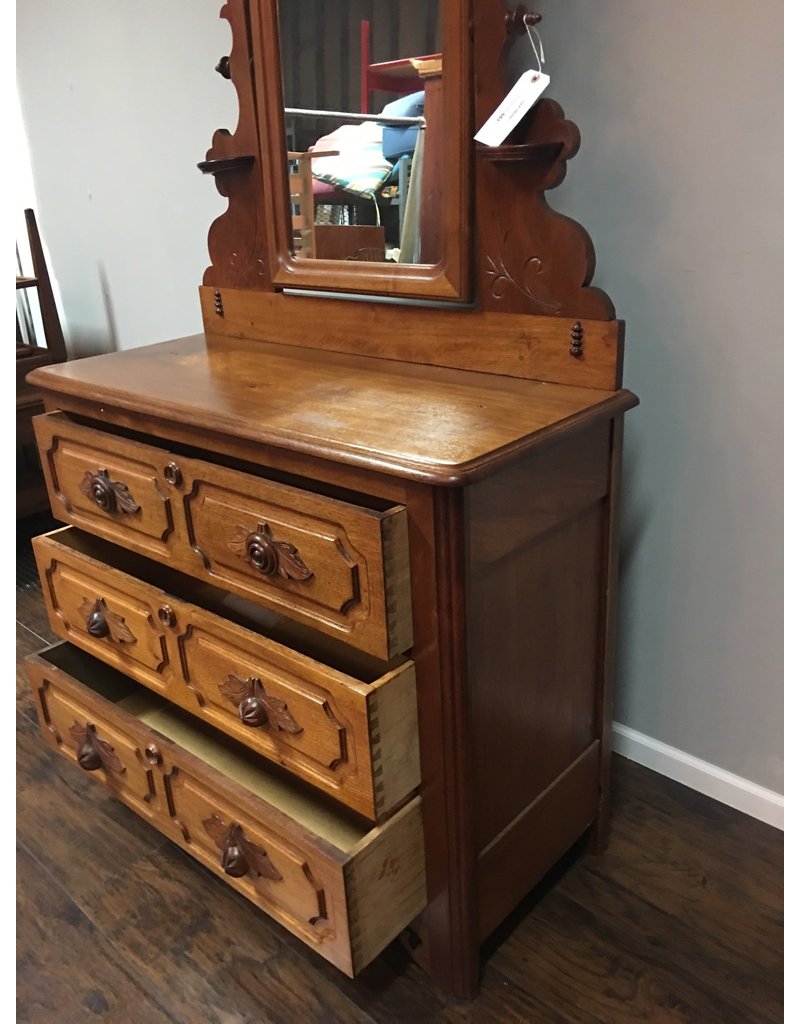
[
  {"x": 339, "y": 567},
  {"x": 113, "y": 623},
  {"x": 292, "y": 882},
  {"x": 356, "y": 741},
  {"x": 107, "y": 492},
  {"x": 231, "y": 679},
  {"x": 92, "y": 738},
  {"x": 316, "y": 566},
  {"x": 345, "y": 891}
]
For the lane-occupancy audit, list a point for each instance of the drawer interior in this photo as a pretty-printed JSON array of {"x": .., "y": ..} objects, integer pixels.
[
  {"x": 303, "y": 639},
  {"x": 313, "y": 812}
]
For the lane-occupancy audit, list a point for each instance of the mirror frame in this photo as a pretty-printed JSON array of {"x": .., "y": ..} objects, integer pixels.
[{"x": 450, "y": 278}]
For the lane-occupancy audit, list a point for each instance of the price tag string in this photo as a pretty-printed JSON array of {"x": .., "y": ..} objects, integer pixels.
[{"x": 538, "y": 52}]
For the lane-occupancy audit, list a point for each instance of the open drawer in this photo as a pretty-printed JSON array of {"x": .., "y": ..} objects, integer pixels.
[
  {"x": 340, "y": 566},
  {"x": 344, "y": 888},
  {"x": 342, "y": 720}
]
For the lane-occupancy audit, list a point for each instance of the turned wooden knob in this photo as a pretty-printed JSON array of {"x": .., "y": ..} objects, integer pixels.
[
  {"x": 94, "y": 753},
  {"x": 256, "y": 707},
  {"x": 109, "y": 495},
  {"x": 267, "y": 555},
  {"x": 234, "y": 855},
  {"x": 239, "y": 857},
  {"x": 261, "y": 554},
  {"x": 252, "y": 712},
  {"x": 152, "y": 755},
  {"x": 166, "y": 615},
  {"x": 97, "y": 624},
  {"x": 172, "y": 474},
  {"x": 102, "y": 493}
]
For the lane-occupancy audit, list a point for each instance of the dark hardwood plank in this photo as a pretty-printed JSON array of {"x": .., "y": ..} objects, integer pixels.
[
  {"x": 69, "y": 823},
  {"x": 66, "y": 971},
  {"x": 28, "y": 642},
  {"x": 175, "y": 921}
]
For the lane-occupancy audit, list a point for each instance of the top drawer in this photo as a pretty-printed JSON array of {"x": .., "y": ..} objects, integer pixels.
[{"x": 339, "y": 567}]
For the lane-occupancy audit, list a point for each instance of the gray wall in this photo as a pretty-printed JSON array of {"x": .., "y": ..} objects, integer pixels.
[
  {"x": 120, "y": 101},
  {"x": 679, "y": 183}
]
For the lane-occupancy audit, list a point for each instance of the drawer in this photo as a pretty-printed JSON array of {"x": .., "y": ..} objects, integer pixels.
[
  {"x": 343, "y": 888},
  {"x": 339, "y": 719},
  {"x": 335, "y": 565}
]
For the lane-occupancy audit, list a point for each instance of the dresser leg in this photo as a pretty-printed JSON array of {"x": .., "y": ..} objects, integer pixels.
[{"x": 456, "y": 973}]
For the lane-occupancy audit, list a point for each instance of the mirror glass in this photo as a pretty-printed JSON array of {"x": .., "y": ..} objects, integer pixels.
[{"x": 362, "y": 85}]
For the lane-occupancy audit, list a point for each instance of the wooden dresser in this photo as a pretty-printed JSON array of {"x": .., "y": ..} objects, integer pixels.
[{"x": 336, "y": 592}]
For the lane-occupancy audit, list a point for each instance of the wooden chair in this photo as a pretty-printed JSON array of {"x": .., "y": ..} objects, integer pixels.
[
  {"x": 301, "y": 201},
  {"x": 31, "y": 492}
]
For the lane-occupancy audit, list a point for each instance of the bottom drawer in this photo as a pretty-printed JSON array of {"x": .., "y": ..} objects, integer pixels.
[{"x": 345, "y": 888}]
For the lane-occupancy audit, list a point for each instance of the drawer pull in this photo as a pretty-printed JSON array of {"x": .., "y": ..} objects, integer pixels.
[
  {"x": 267, "y": 555},
  {"x": 166, "y": 615},
  {"x": 153, "y": 755},
  {"x": 94, "y": 753},
  {"x": 172, "y": 474},
  {"x": 109, "y": 495},
  {"x": 239, "y": 857},
  {"x": 256, "y": 707},
  {"x": 102, "y": 622}
]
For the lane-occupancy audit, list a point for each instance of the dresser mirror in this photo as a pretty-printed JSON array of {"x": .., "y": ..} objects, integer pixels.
[{"x": 381, "y": 93}]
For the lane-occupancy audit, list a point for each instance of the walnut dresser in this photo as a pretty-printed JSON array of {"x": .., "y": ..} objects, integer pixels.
[{"x": 336, "y": 589}]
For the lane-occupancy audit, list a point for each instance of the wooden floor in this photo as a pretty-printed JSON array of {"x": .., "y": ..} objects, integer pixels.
[{"x": 681, "y": 920}]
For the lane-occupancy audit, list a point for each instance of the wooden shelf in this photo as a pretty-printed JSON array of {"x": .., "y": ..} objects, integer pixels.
[
  {"x": 525, "y": 151},
  {"x": 27, "y": 282}
]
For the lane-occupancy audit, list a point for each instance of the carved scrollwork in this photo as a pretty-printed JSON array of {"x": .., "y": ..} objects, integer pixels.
[
  {"x": 94, "y": 753},
  {"x": 256, "y": 707},
  {"x": 267, "y": 555},
  {"x": 501, "y": 279},
  {"x": 240, "y": 857},
  {"x": 109, "y": 495}
]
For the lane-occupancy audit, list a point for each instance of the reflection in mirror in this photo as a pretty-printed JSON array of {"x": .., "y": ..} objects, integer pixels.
[{"x": 362, "y": 88}]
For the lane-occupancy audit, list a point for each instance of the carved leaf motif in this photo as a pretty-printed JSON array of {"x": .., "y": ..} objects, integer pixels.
[
  {"x": 278, "y": 715},
  {"x": 108, "y": 757},
  {"x": 84, "y": 735},
  {"x": 78, "y": 733},
  {"x": 259, "y": 861},
  {"x": 236, "y": 689},
  {"x": 118, "y": 630},
  {"x": 125, "y": 500},
  {"x": 280, "y": 718},
  {"x": 290, "y": 565},
  {"x": 110, "y": 495},
  {"x": 263, "y": 552},
  {"x": 217, "y": 829},
  {"x": 226, "y": 836},
  {"x": 238, "y": 543}
]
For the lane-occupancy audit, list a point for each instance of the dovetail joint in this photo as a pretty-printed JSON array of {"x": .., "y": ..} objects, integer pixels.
[{"x": 218, "y": 308}]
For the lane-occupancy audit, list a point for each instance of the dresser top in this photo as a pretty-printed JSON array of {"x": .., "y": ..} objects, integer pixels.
[{"x": 427, "y": 423}]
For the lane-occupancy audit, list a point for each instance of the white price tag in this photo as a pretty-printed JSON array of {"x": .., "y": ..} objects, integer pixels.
[{"x": 527, "y": 90}]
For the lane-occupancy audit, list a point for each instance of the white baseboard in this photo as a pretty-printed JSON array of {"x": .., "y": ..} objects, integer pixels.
[{"x": 706, "y": 778}]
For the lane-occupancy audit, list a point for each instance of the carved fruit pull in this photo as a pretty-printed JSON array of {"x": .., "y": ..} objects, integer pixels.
[
  {"x": 109, "y": 495},
  {"x": 102, "y": 622},
  {"x": 94, "y": 753},
  {"x": 239, "y": 857},
  {"x": 256, "y": 707},
  {"x": 267, "y": 555}
]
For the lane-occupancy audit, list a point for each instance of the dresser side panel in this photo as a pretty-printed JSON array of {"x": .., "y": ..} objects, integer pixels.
[{"x": 535, "y": 618}]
